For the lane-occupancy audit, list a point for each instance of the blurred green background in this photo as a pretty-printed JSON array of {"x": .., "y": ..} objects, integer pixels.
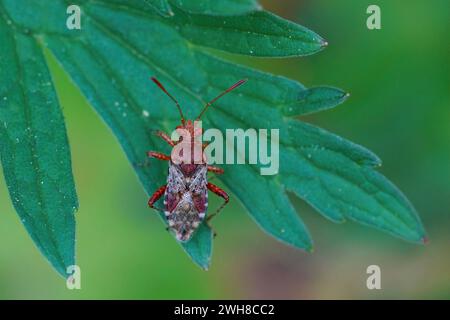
[{"x": 399, "y": 107}]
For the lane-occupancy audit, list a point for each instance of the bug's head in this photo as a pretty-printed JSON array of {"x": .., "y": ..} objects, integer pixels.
[{"x": 192, "y": 127}]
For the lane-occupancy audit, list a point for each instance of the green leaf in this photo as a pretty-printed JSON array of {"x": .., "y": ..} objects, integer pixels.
[
  {"x": 121, "y": 45},
  {"x": 337, "y": 179},
  {"x": 268, "y": 204},
  {"x": 332, "y": 174},
  {"x": 218, "y": 7},
  {"x": 258, "y": 33},
  {"x": 161, "y": 6},
  {"x": 34, "y": 149},
  {"x": 314, "y": 100},
  {"x": 199, "y": 248},
  {"x": 107, "y": 90}
]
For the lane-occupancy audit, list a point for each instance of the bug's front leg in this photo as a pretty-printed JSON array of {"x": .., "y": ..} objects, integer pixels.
[
  {"x": 158, "y": 155},
  {"x": 156, "y": 196},
  {"x": 153, "y": 154},
  {"x": 216, "y": 170},
  {"x": 221, "y": 193},
  {"x": 165, "y": 137}
]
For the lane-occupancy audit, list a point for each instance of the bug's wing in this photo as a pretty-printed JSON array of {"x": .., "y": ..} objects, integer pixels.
[
  {"x": 175, "y": 187},
  {"x": 199, "y": 190}
]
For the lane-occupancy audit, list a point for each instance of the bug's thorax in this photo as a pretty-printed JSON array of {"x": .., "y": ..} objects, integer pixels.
[{"x": 188, "y": 151}]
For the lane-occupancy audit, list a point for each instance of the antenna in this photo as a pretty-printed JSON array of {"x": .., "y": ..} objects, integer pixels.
[
  {"x": 170, "y": 96},
  {"x": 234, "y": 86}
]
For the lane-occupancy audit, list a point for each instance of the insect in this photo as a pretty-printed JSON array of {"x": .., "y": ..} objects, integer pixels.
[{"x": 186, "y": 191}]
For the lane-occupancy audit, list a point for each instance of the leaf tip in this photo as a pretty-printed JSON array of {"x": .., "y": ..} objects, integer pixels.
[
  {"x": 205, "y": 268},
  {"x": 258, "y": 7},
  {"x": 345, "y": 96},
  {"x": 204, "y": 265},
  {"x": 425, "y": 240}
]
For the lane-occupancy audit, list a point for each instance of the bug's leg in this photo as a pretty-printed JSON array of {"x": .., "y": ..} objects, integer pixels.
[
  {"x": 221, "y": 193},
  {"x": 216, "y": 170},
  {"x": 152, "y": 154},
  {"x": 156, "y": 196},
  {"x": 158, "y": 155},
  {"x": 165, "y": 137}
]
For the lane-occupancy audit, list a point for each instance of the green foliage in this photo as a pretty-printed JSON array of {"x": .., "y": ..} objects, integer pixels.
[
  {"x": 34, "y": 149},
  {"x": 123, "y": 43},
  {"x": 217, "y": 7},
  {"x": 257, "y": 33}
]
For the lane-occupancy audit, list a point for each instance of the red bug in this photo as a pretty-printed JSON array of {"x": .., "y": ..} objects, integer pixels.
[{"x": 186, "y": 191}]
